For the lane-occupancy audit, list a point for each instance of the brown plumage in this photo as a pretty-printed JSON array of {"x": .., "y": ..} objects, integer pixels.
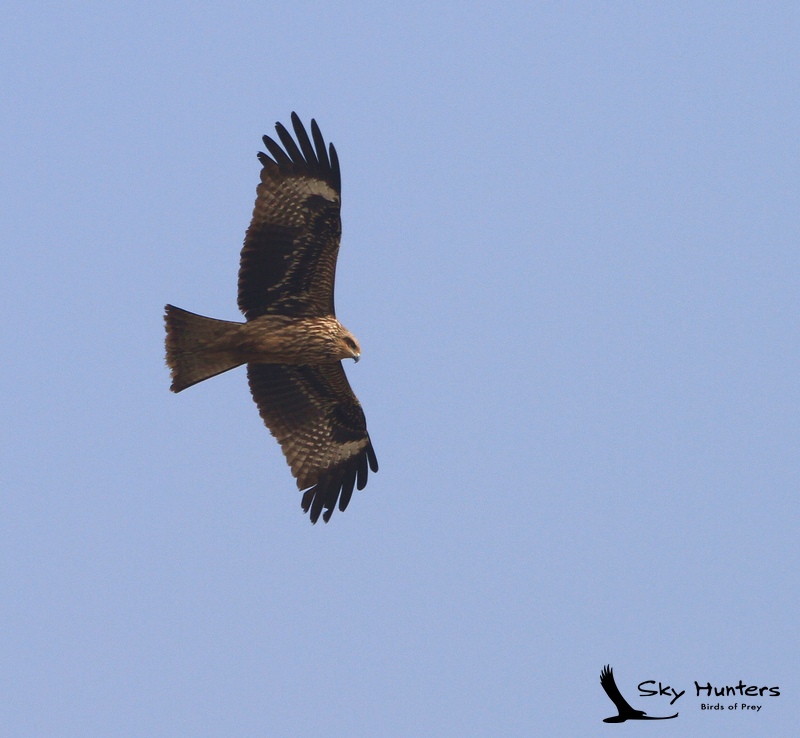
[{"x": 291, "y": 341}]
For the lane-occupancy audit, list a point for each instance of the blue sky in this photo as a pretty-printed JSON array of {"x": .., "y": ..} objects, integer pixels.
[{"x": 570, "y": 257}]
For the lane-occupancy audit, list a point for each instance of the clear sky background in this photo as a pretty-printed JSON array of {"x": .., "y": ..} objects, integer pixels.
[{"x": 570, "y": 255}]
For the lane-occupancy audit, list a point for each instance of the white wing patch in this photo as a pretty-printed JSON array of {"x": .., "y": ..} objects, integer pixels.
[{"x": 306, "y": 187}]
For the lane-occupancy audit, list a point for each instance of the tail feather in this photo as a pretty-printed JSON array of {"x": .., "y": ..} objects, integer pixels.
[{"x": 192, "y": 355}]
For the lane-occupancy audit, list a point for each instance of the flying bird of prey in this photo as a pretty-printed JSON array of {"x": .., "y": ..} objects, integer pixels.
[
  {"x": 292, "y": 343},
  {"x": 624, "y": 710}
]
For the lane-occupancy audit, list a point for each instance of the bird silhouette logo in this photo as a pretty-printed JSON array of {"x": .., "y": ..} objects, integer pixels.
[{"x": 624, "y": 710}]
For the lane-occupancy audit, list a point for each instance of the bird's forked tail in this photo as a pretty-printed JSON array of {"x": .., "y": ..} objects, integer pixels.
[{"x": 193, "y": 347}]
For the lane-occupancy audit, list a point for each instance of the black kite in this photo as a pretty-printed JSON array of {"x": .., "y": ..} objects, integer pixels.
[{"x": 291, "y": 341}]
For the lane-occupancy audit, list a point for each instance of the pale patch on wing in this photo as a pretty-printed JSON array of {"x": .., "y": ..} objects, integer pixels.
[
  {"x": 309, "y": 453},
  {"x": 306, "y": 186},
  {"x": 348, "y": 450},
  {"x": 283, "y": 201}
]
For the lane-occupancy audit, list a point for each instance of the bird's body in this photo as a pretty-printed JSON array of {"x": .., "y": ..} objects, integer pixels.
[
  {"x": 291, "y": 341},
  {"x": 268, "y": 339}
]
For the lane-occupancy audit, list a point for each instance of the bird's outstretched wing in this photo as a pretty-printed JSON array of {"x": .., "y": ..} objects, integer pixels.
[
  {"x": 610, "y": 686},
  {"x": 318, "y": 421},
  {"x": 288, "y": 262}
]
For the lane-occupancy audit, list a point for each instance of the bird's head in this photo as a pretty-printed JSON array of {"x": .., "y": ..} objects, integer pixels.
[{"x": 349, "y": 345}]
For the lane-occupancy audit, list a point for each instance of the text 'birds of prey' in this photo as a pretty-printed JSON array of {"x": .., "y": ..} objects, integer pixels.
[{"x": 291, "y": 341}]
